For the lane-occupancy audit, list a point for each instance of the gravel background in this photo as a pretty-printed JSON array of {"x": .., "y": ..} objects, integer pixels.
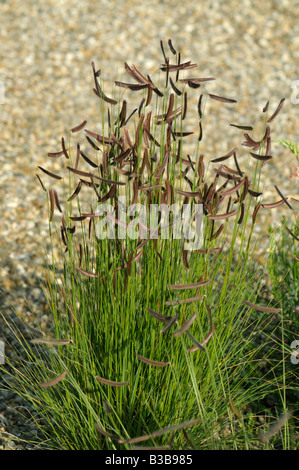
[{"x": 251, "y": 47}]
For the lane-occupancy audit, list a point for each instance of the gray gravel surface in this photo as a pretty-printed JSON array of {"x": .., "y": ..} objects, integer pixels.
[{"x": 251, "y": 47}]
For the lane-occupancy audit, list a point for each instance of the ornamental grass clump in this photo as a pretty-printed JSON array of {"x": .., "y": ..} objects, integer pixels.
[{"x": 156, "y": 341}]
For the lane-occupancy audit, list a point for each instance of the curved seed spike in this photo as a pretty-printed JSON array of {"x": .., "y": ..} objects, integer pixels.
[
  {"x": 263, "y": 158},
  {"x": 193, "y": 85},
  {"x": 56, "y": 154},
  {"x": 51, "y": 204},
  {"x": 54, "y": 381},
  {"x": 111, "y": 382},
  {"x": 200, "y": 132},
  {"x": 174, "y": 68},
  {"x": 132, "y": 113},
  {"x": 159, "y": 432},
  {"x": 57, "y": 201},
  {"x": 292, "y": 234},
  {"x": 167, "y": 71},
  {"x": 132, "y": 86},
  {"x": 162, "y": 48},
  {"x": 282, "y": 196},
  {"x": 250, "y": 142},
  {"x": 149, "y": 96},
  {"x": 78, "y": 155},
  {"x": 232, "y": 190},
  {"x": 197, "y": 346},
  {"x": 76, "y": 192},
  {"x": 140, "y": 106},
  {"x": 94, "y": 146},
  {"x": 152, "y": 363},
  {"x": 185, "y": 326},
  {"x": 171, "y": 303},
  {"x": 221, "y": 98},
  {"x": 254, "y": 193},
  {"x": 79, "y": 127},
  {"x": 159, "y": 316},
  {"x": 64, "y": 148},
  {"x": 170, "y": 107},
  {"x": 171, "y": 47},
  {"x": 266, "y": 107},
  {"x": 178, "y": 71},
  {"x": 105, "y": 433},
  {"x": 245, "y": 128},
  {"x": 242, "y": 214},
  {"x": 234, "y": 408},
  {"x": 261, "y": 307},
  {"x": 42, "y": 184},
  {"x": 185, "y": 106},
  {"x": 100, "y": 138},
  {"x": 122, "y": 114},
  {"x": 175, "y": 89},
  {"x": 188, "y": 193},
  {"x": 90, "y": 162},
  {"x": 189, "y": 286},
  {"x": 185, "y": 259},
  {"x": 90, "y": 175},
  {"x": 237, "y": 165},
  {"x": 273, "y": 204},
  {"x": 98, "y": 90},
  {"x": 170, "y": 324},
  {"x": 212, "y": 250},
  {"x": 196, "y": 80},
  {"x": 217, "y": 233},
  {"x": 275, "y": 428},
  {"x": 86, "y": 273},
  {"x": 225, "y": 157},
  {"x": 199, "y": 106},
  {"x": 78, "y": 218},
  {"x": 277, "y": 110},
  {"x": 49, "y": 173},
  {"x": 222, "y": 216},
  {"x": 50, "y": 341}
]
